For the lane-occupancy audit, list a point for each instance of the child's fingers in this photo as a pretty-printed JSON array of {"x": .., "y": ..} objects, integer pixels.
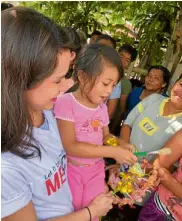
[
  {"x": 116, "y": 200},
  {"x": 131, "y": 160},
  {"x": 110, "y": 193}
]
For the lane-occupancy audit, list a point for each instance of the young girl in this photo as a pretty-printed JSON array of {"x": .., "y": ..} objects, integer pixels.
[
  {"x": 83, "y": 122},
  {"x": 166, "y": 203},
  {"x": 35, "y": 57}
]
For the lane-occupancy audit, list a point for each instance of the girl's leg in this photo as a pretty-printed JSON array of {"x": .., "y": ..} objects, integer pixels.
[
  {"x": 76, "y": 185},
  {"x": 151, "y": 213},
  {"x": 95, "y": 184}
]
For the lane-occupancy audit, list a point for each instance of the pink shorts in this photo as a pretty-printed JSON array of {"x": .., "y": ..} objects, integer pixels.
[{"x": 86, "y": 183}]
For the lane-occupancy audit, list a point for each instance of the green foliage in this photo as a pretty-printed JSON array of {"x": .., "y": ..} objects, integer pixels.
[{"x": 153, "y": 21}]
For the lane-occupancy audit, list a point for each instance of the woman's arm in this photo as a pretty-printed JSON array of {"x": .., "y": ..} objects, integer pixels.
[
  {"x": 163, "y": 163},
  {"x": 125, "y": 132},
  {"x": 168, "y": 181},
  {"x": 85, "y": 150},
  {"x": 175, "y": 144},
  {"x": 112, "y": 105},
  {"x": 99, "y": 207},
  {"x": 28, "y": 214}
]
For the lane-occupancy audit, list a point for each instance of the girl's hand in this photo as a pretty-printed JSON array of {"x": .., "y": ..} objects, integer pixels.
[
  {"x": 101, "y": 205},
  {"x": 106, "y": 189},
  {"x": 124, "y": 156},
  {"x": 127, "y": 145}
]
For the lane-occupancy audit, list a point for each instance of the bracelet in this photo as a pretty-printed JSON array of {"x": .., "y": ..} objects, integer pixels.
[{"x": 89, "y": 213}]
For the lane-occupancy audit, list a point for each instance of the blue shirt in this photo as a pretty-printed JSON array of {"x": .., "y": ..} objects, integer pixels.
[
  {"x": 134, "y": 98},
  {"x": 116, "y": 93}
]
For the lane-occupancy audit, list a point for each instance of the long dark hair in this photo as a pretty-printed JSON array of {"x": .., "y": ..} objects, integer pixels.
[{"x": 30, "y": 43}]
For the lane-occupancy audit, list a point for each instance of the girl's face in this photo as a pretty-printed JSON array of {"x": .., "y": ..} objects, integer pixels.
[
  {"x": 176, "y": 95},
  {"x": 154, "y": 80},
  {"x": 103, "y": 86},
  {"x": 43, "y": 95}
]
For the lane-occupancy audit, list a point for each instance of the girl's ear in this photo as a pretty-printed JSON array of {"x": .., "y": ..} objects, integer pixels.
[{"x": 81, "y": 77}]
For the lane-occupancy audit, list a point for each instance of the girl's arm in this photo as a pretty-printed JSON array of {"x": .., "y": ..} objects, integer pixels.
[
  {"x": 85, "y": 150},
  {"x": 99, "y": 207}
]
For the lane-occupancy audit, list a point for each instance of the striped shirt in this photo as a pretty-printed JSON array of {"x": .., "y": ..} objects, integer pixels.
[{"x": 163, "y": 208}]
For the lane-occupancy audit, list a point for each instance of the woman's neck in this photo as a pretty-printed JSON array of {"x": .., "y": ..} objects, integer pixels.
[
  {"x": 146, "y": 93},
  {"x": 37, "y": 117},
  {"x": 169, "y": 109}
]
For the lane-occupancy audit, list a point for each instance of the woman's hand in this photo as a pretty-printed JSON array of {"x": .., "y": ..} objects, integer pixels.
[
  {"x": 159, "y": 174},
  {"x": 101, "y": 205},
  {"x": 163, "y": 173}
]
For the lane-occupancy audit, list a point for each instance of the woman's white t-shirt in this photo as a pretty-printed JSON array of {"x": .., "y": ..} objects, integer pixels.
[{"x": 43, "y": 181}]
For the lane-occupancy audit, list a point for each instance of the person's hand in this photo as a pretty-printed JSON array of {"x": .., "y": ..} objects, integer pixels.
[
  {"x": 163, "y": 173},
  {"x": 101, "y": 205},
  {"x": 124, "y": 156},
  {"x": 115, "y": 170},
  {"x": 127, "y": 145},
  {"x": 106, "y": 189},
  {"x": 158, "y": 175}
]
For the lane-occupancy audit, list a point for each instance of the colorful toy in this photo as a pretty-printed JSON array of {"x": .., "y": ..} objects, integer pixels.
[
  {"x": 163, "y": 151},
  {"x": 133, "y": 182}
]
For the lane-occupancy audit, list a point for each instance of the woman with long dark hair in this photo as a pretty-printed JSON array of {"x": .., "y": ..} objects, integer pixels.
[{"x": 36, "y": 55}]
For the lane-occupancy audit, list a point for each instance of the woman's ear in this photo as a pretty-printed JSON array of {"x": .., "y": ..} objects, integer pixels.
[
  {"x": 164, "y": 84},
  {"x": 73, "y": 55}
]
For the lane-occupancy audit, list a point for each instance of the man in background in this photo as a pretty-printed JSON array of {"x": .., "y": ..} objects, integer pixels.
[
  {"x": 94, "y": 36},
  {"x": 118, "y": 98},
  {"x": 6, "y": 6}
]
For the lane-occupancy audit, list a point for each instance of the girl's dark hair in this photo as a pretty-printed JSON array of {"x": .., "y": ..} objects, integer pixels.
[
  {"x": 91, "y": 61},
  {"x": 165, "y": 72},
  {"x": 30, "y": 44}
]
